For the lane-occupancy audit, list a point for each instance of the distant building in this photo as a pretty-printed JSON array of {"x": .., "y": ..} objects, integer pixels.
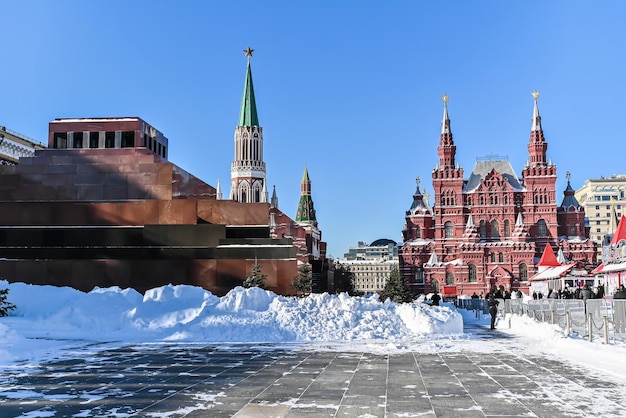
[
  {"x": 381, "y": 249},
  {"x": 371, "y": 265},
  {"x": 491, "y": 228},
  {"x": 14, "y": 145},
  {"x": 604, "y": 200}
]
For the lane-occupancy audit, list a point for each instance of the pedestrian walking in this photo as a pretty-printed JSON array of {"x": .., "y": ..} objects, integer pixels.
[{"x": 493, "y": 309}]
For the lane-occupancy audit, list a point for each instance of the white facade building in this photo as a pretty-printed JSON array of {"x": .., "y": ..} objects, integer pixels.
[
  {"x": 371, "y": 265},
  {"x": 604, "y": 200}
]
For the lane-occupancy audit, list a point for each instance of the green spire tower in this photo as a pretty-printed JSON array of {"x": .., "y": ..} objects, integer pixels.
[
  {"x": 248, "y": 115},
  {"x": 247, "y": 171},
  {"x": 306, "y": 211}
]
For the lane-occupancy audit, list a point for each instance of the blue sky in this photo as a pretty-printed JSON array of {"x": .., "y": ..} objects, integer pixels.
[{"x": 352, "y": 89}]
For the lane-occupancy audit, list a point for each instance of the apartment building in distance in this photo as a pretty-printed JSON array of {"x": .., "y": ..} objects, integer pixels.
[
  {"x": 371, "y": 265},
  {"x": 603, "y": 199}
]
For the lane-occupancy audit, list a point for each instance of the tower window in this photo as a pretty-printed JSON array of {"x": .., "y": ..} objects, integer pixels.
[
  {"x": 449, "y": 278},
  {"x": 542, "y": 228},
  {"x": 471, "y": 273},
  {"x": 495, "y": 233},
  {"x": 78, "y": 139},
  {"x": 128, "y": 139},
  {"x": 109, "y": 140},
  {"x": 94, "y": 139},
  {"x": 419, "y": 275},
  {"x": 449, "y": 231},
  {"x": 523, "y": 272},
  {"x": 60, "y": 140}
]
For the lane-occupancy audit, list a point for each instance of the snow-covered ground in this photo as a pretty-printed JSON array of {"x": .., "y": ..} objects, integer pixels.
[{"x": 49, "y": 320}]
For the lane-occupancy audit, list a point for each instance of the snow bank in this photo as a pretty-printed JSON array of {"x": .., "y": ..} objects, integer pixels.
[{"x": 188, "y": 313}]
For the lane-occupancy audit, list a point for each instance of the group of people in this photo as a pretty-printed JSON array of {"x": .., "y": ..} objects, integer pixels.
[
  {"x": 500, "y": 293},
  {"x": 585, "y": 292}
]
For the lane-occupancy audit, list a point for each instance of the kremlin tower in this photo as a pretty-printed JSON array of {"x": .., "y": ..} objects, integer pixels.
[{"x": 247, "y": 172}]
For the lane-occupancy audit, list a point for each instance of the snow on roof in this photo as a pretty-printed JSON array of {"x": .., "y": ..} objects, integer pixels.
[
  {"x": 553, "y": 272},
  {"x": 95, "y": 119},
  {"x": 482, "y": 168},
  {"x": 418, "y": 242},
  {"x": 609, "y": 268}
]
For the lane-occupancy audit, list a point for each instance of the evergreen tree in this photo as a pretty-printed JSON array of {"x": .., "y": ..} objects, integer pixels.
[
  {"x": 255, "y": 278},
  {"x": 5, "y": 306},
  {"x": 344, "y": 280},
  {"x": 396, "y": 289},
  {"x": 303, "y": 282}
]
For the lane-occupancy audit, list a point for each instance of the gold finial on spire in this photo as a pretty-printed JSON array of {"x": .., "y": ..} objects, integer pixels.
[
  {"x": 248, "y": 53},
  {"x": 445, "y": 98},
  {"x": 535, "y": 94}
]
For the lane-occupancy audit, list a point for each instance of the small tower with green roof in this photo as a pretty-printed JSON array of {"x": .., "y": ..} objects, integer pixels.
[
  {"x": 306, "y": 211},
  {"x": 247, "y": 171}
]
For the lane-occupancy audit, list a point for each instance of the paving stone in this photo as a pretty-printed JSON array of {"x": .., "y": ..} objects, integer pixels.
[{"x": 248, "y": 380}]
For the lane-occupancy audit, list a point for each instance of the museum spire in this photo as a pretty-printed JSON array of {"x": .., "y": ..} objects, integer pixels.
[
  {"x": 537, "y": 146},
  {"x": 446, "y": 149}
]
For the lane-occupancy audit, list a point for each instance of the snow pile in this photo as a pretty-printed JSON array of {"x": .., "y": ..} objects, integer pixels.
[{"x": 188, "y": 313}]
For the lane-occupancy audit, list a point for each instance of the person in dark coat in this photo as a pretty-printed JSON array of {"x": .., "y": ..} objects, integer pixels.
[
  {"x": 620, "y": 293},
  {"x": 435, "y": 298},
  {"x": 586, "y": 293},
  {"x": 600, "y": 292},
  {"x": 492, "y": 302}
]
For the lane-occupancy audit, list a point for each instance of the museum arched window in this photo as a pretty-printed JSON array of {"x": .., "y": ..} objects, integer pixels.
[
  {"x": 449, "y": 278},
  {"x": 448, "y": 230},
  {"x": 483, "y": 230},
  {"x": 542, "y": 228},
  {"x": 500, "y": 258},
  {"x": 418, "y": 232},
  {"x": 471, "y": 273},
  {"x": 419, "y": 275},
  {"x": 495, "y": 230},
  {"x": 523, "y": 272},
  {"x": 507, "y": 229},
  {"x": 493, "y": 257}
]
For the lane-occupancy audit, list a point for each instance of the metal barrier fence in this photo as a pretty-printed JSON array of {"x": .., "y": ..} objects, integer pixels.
[{"x": 593, "y": 317}]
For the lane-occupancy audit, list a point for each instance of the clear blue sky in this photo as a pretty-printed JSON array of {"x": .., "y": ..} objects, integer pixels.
[{"x": 350, "y": 88}]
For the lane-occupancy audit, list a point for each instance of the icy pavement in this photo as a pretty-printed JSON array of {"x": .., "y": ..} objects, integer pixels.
[{"x": 279, "y": 380}]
